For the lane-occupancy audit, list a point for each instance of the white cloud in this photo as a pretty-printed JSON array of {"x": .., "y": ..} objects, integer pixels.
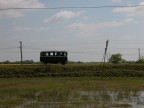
[
  {"x": 129, "y": 20},
  {"x": 62, "y": 16},
  {"x": 116, "y": 1},
  {"x": 40, "y": 29},
  {"x": 17, "y": 4},
  {"x": 23, "y": 29},
  {"x": 92, "y": 28},
  {"x": 131, "y": 11}
]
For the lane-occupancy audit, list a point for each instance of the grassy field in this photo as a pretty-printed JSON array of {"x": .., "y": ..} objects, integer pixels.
[
  {"x": 34, "y": 92},
  {"x": 69, "y": 86},
  {"x": 72, "y": 70}
]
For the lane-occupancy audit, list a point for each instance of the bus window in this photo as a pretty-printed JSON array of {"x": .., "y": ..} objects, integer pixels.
[
  {"x": 65, "y": 54},
  {"x": 51, "y": 53},
  {"x": 57, "y": 53},
  {"x": 46, "y": 54},
  {"x": 62, "y": 53}
]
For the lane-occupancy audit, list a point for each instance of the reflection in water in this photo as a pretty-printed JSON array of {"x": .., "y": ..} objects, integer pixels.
[
  {"x": 116, "y": 99},
  {"x": 88, "y": 99}
]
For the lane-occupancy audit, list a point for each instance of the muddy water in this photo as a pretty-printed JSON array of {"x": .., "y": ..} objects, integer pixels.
[{"x": 87, "y": 99}]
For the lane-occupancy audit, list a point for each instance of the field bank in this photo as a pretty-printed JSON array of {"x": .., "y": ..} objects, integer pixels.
[{"x": 72, "y": 70}]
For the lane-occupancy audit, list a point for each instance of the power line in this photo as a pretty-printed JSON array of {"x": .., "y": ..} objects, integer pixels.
[
  {"x": 8, "y": 48},
  {"x": 86, "y": 7},
  {"x": 92, "y": 48}
]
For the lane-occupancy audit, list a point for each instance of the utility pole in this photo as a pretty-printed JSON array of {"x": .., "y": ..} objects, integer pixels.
[
  {"x": 139, "y": 54},
  {"x": 106, "y": 50},
  {"x": 21, "y": 52},
  {"x": 105, "y": 53}
]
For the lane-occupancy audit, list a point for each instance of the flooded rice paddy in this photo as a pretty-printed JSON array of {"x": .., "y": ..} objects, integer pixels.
[
  {"x": 71, "y": 93},
  {"x": 87, "y": 99}
]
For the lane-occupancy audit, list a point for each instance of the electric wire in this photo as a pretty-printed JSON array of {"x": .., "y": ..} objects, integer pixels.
[
  {"x": 92, "y": 48},
  {"x": 7, "y": 48},
  {"x": 72, "y": 7}
]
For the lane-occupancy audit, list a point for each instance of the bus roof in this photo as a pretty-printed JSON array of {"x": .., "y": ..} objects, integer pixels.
[{"x": 54, "y": 51}]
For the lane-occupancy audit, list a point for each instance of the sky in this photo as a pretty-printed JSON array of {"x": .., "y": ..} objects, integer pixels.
[{"x": 82, "y": 32}]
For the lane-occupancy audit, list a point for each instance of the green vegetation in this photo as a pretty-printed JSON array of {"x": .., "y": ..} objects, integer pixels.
[
  {"x": 70, "y": 86},
  {"x": 116, "y": 58},
  {"x": 72, "y": 70},
  {"x": 19, "y": 62},
  {"x": 140, "y": 61},
  {"x": 66, "y": 92}
]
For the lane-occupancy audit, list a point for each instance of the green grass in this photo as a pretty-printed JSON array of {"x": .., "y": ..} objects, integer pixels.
[
  {"x": 17, "y": 91},
  {"x": 30, "y": 86},
  {"x": 72, "y": 70}
]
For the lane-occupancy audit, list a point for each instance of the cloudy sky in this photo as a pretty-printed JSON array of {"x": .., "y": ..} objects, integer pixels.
[{"x": 80, "y": 31}]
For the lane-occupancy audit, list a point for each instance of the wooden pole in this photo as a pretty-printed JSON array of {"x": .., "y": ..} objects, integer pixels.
[
  {"x": 21, "y": 52},
  {"x": 139, "y": 54},
  {"x": 105, "y": 53}
]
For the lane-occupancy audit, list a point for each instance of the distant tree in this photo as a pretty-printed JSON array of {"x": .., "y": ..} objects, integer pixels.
[
  {"x": 116, "y": 58},
  {"x": 28, "y": 62},
  {"x": 141, "y": 60},
  {"x": 6, "y": 62},
  {"x": 25, "y": 62}
]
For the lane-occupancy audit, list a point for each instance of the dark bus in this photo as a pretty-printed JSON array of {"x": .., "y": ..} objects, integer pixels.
[{"x": 53, "y": 57}]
